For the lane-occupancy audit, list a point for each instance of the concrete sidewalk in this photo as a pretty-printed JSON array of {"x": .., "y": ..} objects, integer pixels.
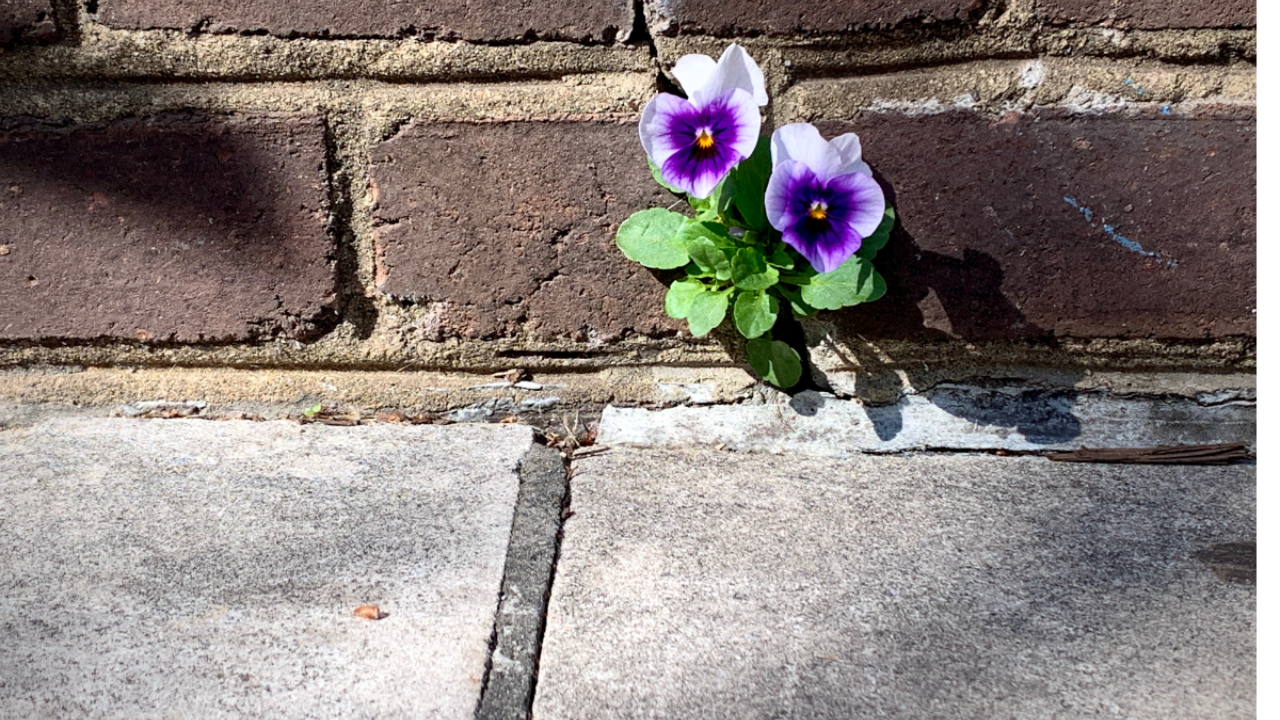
[
  {"x": 705, "y": 584},
  {"x": 198, "y": 569},
  {"x": 210, "y": 569}
]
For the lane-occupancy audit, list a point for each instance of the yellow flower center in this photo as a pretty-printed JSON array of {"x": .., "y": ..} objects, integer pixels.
[
  {"x": 818, "y": 210},
  {"x": 705, "y": 141}
]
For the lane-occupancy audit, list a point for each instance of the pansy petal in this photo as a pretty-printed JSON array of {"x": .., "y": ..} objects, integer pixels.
[
  {"x": 824, "y": 245},
  {"x": 758, "y": 92},
  {"x": 693, "y": 72},
  {"x": 849, "y": 148},
  {"x": 829, "y": 250},
  {"x": 647, "y": 129},
  {"x": 803, "y": 143},
  {"x": 734, "y": 71},
  {"x": 858, "y": 201},
  {"x": 746, "y": 118},
  {"x": 658, "y": 123},
  {"x": 785, "y": 198},
  {"x": 730, "y": 122}
]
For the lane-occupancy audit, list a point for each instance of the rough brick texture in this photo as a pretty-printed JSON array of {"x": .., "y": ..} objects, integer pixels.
[
  {"x": 176, "y": 228},
  {"x": 511, "y": 226},
  {"x": 25, "y": 17},
  {"x": 494, "y": 20},
  {"x": 1150, "y": 14},
  {"x": 1080, "y": 226},
  {"x": 781, "y": 17}
]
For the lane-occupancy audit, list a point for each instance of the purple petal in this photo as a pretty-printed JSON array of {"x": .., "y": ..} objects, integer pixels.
[
  {"x": 655, "y": 125},
  {"x": 858, "y": 201},
  {"x": 784, "y": 197},
  {"x": 728, "y": 127},
  {"x": 825, "y": 247},
  {"x": 852, "y": 207}
]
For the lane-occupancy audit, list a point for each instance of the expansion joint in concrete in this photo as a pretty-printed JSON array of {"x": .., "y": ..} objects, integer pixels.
[{"x": 515, "y": 647}]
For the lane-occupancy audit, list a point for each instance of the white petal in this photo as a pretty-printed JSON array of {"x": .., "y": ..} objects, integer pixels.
[
  {"x": 646, "y": 126},
  {"x": 849, "y": 148},
  {"x": 734, "y": 70},
  {"x": 803, "y": 143},
  {"x": 694, "y": 72},
  {"x": 757, "y": 89}
]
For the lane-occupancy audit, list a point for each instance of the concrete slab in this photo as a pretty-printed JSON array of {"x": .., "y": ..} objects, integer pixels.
[
  {"x": 950, "y": 417},
  {"x": 702, "y": 584},
  {"x": 190, "y": 568}
]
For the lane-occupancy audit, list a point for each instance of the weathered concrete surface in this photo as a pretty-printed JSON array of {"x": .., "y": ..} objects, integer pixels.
[
  {"x": 209, "y": 569},
  {"x": 181, "y": 227},
  {"x": 582, "y": 20},
  {"x": 696, "y": 584},
  {"x": 954, "y": 417}
]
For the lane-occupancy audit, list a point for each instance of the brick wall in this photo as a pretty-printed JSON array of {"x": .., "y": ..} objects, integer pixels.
[{"x": 369, "y": 183}]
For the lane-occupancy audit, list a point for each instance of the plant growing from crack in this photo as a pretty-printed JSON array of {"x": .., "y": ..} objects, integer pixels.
[{"x": 791, "y": 218}]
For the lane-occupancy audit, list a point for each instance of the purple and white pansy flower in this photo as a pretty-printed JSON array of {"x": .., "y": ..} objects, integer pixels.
[
  {"x": 726, "y": 263},
  {"x": 696, "y": 142},
  {"x": 821, "y": 196}
]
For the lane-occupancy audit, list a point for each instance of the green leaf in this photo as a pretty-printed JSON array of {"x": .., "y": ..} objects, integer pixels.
[
  {"x": 649, "y": 238},
  {"x": 876, "y": 241},
  {"x": 707, "y": 311},
  {"x": 709, "y": 258},
  {"x": 313, "y": 411},
  {"x": 781, "y": 258},
  {"x": 850, "y": 284},
  {"x": 680, "y": 296},
  {"x": 691, "y": 230},
  {"x": 657, "y": 175},
  {"x": 799, "y": 307},
  {"x": 751, "y": 272},
  {"x": 710, "y": 207},
  {"x": 879, "y": 287},
  {"x": 776, "y": 361},
  {"x": 748, "y": 180},
  {"x": 755, "y": 313}
]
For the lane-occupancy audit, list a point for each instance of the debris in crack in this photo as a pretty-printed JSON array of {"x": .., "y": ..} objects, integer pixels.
[{"x": 1219, "y": 454}]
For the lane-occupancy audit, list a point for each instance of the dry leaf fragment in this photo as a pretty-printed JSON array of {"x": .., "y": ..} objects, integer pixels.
[
  {"x": 369, "y": 612},
  {"x": 513, "y": 376}
]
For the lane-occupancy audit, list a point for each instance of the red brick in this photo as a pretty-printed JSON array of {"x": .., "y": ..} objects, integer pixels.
[
  {"x": 1150, "y": 14},
  {"x": 784, "y": 17},
  {"x": 511, "y": 225},
  {"x": 175, "y": 228},
  {"x": 990, "y": 248},
  {"x": 493, "y": 20},
  {"x": 25, "y": 18}
]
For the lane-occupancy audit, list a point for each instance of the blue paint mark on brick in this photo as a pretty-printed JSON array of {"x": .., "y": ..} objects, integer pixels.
[
  {"x": 1111, "y": 233},
  {"x": 1165, "y": 110},
  {"x": 1141, "y": 90},
  {"x": 1088, "y": 214}
]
